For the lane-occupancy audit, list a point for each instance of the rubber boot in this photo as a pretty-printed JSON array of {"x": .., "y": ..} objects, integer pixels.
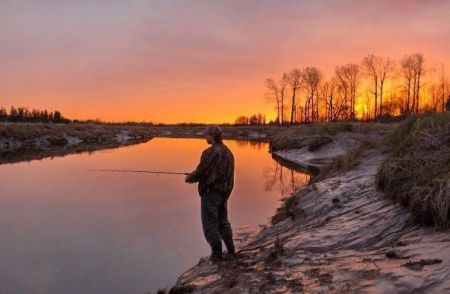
[
  {"x": 229, "y": 244},
  {"x": 216, "y": 255}
]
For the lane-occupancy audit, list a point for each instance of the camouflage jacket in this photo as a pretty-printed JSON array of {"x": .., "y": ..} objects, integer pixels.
[{"x": 215, "y": 171}]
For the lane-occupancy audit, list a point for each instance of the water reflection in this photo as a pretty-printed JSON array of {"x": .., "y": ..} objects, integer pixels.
[
  {"x": 284, "y": 179},
  {"x": 255, "y": 144},
  {"x": 16, "y": 156},
  {"x": 64, "y": 230}
]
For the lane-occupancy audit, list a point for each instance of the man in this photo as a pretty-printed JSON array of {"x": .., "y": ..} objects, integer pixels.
[{"x": 215, "y": 177}]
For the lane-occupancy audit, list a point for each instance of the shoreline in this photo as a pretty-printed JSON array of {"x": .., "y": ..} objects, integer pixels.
[
  {"x": 251, "y": 133},
  {"x": 19, "y": 137},
  {"x": 27, "y": 141},
  {"x": 34, "y": 141},
  {"x": 305, "y": 248}
]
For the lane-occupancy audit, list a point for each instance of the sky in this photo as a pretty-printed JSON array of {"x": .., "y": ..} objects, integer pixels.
[{"x": 194, "y": 61}]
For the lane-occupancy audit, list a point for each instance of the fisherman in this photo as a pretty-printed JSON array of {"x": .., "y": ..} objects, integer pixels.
[
  {"x": 447, "y": 107},
  {"x": 215, "y": 177}
]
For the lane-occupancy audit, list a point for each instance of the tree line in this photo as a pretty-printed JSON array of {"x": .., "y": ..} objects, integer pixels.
[
  {"x": 23, "y": 114},
  {"x": 358, "y": 90},
  {"x": 255, "y": 119}
]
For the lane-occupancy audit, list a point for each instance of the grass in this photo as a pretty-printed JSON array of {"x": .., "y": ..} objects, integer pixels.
[
  {"x": 315, "y": 142},
  {"x": 417, "y": 174},
  {"x": 314, "y": 135},
  {"x": 85, "y": 132},
  {"x": 276, "y": 255},
  {"x": 288, "y": 209},
  {"x": 318, "y": 134},
  {"x": 181, "y": 289}
]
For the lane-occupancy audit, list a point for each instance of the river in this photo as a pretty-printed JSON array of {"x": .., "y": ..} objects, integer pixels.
[{"x": 66, "y": 230}]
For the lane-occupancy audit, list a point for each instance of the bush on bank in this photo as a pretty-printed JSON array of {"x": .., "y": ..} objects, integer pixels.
[{"x": 417, "y": 174}]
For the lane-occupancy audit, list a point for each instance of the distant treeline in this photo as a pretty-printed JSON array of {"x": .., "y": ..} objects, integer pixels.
[
  {"x": 255, "y": 119},
  {"x": 23, "y": 114}
]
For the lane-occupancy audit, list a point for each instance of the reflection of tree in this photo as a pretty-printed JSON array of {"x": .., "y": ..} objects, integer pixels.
[
  {"x": 270, "y": 177},
  {"x": 254, "y": 144},
  {"x": 284, "y": 179}
]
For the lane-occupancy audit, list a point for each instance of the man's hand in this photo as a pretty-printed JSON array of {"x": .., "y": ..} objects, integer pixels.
[{"x": 186, "y": 179}]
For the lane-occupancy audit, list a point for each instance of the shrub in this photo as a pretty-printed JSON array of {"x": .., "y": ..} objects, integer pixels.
[{"x": 417, "y": 174}]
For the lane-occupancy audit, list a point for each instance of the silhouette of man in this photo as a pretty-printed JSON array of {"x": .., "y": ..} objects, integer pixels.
[
  {"x": 215, "y": 177},
  {"x": 447, "y": 106}
]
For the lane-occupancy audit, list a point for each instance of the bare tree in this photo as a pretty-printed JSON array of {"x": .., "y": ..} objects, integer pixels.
[
  {"x": 276, "y": 92},
  {"x": 273, "y": 94},
  {"x": 311, "y": 77},
  {"x": 295, "y": 83},
  {"x": 408, "y": 73},
  {"x": 396, "y": 100},
  {"x": 348, "y": 77},
  {"x": 443, "y": 86},
  {"x": 413, "y": 68},
  {"x": 378, "y": 68},
  {"x": 334, "y": 97},
  {"x": 385, "y": 67},
  {"x": 283, "y": 89},
  {"x": 433, "y": 90},
  {"x": 369, "y": 64},
  {"x": 342, "y": 90},
  {"x": 418, "y": 70},
  {"x": 324, "y": 94}
]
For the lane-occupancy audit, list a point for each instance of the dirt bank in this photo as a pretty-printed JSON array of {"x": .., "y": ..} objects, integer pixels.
[
  {"x": 314, "y": 161},
  {"x": 27, "y": 141},
  {"x": 259, "y": 133},
  {"x": 313, "y": 147},
  {"x": 338, "y": 235}
]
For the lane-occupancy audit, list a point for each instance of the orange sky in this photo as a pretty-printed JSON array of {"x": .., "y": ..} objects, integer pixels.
[{"x": 197, "y": 61}]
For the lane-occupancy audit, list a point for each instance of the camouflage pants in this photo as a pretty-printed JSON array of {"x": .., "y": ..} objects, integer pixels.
[{"x": 216, "y": 226}]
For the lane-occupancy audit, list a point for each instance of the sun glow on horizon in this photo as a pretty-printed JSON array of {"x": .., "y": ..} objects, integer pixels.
[{"x": 163, "y": 62}]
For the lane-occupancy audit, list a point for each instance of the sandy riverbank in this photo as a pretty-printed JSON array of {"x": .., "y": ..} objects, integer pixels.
[
  {"x": 337, "y": 235},
  {"x": 27, "y": 141}
]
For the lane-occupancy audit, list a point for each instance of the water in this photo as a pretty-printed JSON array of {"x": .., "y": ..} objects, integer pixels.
[{"x": 66, "y": 230}]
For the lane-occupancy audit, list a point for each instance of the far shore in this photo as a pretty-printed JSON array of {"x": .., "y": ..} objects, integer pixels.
[
  {"x": 261, "y": 133},
  {"x": 30, "y": 141},
  {"x": 33, "y": 141}
]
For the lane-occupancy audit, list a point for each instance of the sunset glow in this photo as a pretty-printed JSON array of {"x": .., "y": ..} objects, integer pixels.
[{"x": 196, "y": 61}]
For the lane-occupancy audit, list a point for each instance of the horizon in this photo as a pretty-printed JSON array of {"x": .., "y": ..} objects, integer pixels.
[{"x": 165, "y": 63}]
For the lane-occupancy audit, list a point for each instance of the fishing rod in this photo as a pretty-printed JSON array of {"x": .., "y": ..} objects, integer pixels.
[{"x": 137, "y": 171}]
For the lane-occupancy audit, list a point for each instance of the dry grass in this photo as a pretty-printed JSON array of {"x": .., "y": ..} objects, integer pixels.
[
  {"x": 276, "y": 254},
  {"x": 85, "y": 132},
  {"x": 180, "y": 289},
  {"x": 287, "y": 210},
  {"x": 305, "y": 135},
  {"x": 315, "y": 142},
  {"x": 318, "y": 134},
  {"x": 418, "y": 173}
]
